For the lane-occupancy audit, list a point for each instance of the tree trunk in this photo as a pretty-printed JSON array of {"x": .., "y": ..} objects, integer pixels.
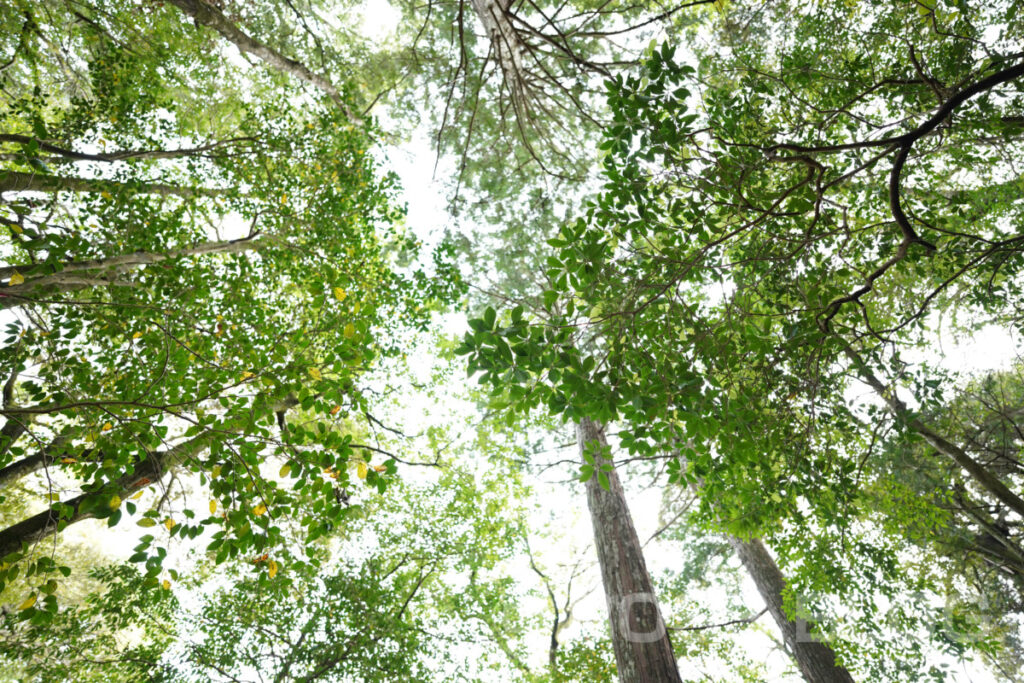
[
  {"x": 16, "y": 181},
  {"x": 643, "y": 651},
  {"x": 209, "y": 15},
  {"x": 33, "y": 463},
  {"x": 816, "y": 660},
  {"x": 147, "y": 472},
  {"x": 75, "y": 275},
  {"x": 506, "y": 44},
  {"x": 124, "y": 155}
]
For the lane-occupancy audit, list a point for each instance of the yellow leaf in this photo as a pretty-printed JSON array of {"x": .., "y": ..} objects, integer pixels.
[
  {"x": 106, "y": 195},
  {"x": 54, "y": 497},
  {"x": 169, "y": 523},
  {"x": 361, "y": 470},
  {"x": 355, "y": 307},
  {"x": 340, "y": 293},
  {"x": 380, "y": 468},
  {"x": 68, "y": 461},
  {"x": 213, "y": 506},
  {"x": 246, "y": 375},
  {"x": 138, "y": 494},
  {"x": 107, "y": 427},
  {"x": 16, "y": 228},
  {"x": 272, "y": 569},
  {"x": 315, "y": 374},
  {"x": 115, "y": 502},
  {"x": 259, "y": 509},
  {"x": 28, "y": 603},
  {"x": 349, "y": 331},
  {"x": 215, "y": 472},
  {"x": 166, "y": 584},
  {"x": 146, "y": 522},
  {"x": 335, "y": 409},
  {"x": 16, "y": 278},
  {"x": 136, "y": 335},
  {"x": 285, "y": 471}
]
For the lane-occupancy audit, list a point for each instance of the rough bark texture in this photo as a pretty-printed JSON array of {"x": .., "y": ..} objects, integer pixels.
[
  {"x": 816, "y": 660},
  {"x": 643, "y": 651}
]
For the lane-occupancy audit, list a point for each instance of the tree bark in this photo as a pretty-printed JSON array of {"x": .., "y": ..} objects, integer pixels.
[
  {"x": 33, "y": 463},
  {"x": 74, "y": 275},
  {"x": 643, "y": 651},
  {"x": 16, "y": 181},
  {"x": 506, "y": 43},
  {"x": 38, "y": 527},
  {"x": 124, "y": 155},
  {"x": 816, "y": 660},
  {"x": 210, "y": 16}
]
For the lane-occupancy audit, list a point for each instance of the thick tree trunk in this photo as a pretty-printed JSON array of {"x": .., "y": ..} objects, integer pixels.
[
  {"x": 147, "y": 472},
  {"x": 33, "y": 463},
  {"x": 816, "y": 660},
  {"x": 75, "y": 275},
  {"x": 16, "y": 181},
  {"x": 506, "y": 44},
  {"x": 643, "y": 651},
  {"x": 209, "y": 15}
]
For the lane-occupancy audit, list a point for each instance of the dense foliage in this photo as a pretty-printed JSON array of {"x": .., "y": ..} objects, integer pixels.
[{"x": 730, "y": 241}]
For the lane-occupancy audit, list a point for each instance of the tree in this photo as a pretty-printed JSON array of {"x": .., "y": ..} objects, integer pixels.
[
  {"x": 391, "y": 612},
  {"x": 750, "y": 258},
  {"x": 193, "y": 309}
]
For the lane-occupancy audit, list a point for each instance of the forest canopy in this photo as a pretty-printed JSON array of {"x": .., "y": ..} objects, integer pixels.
[{"x": 720, "y": 324}]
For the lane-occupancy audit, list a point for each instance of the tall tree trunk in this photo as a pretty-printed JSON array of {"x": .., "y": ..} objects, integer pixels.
[
  {"x": 816, "y": 660},
  {"x": 75, "y": 275},
  {"x": 507, "y": 45},
  {"x": 126, "y": 154},
  {"x": 643, "y": 651},
  {"x": 209, "y": 15},
  {"x": 17, "y": 181},
  {"x": 147, "y": 472}
]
